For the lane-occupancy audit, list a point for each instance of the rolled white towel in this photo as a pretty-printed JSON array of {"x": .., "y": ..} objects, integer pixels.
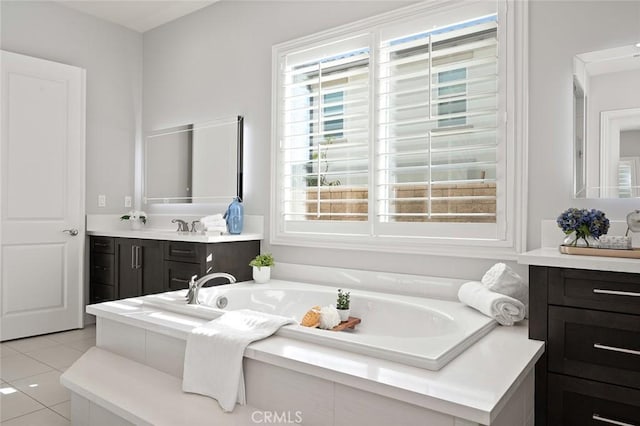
[
  {"x": 500, "y": 278},
  {"x": 220, "y": 229},
  {"x": 504, "y": 309},
  {"x": 211, "y": 218},
  {"x": 214, "y": 222}
]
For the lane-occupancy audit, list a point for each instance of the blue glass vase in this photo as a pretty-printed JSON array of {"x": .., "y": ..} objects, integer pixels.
[{"x": 234, "y": 216}]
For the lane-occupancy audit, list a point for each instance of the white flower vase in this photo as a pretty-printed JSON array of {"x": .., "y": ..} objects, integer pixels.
[
  {"x": 344, "y": 314},
  {"x": 261, "y": 274},
  {"x": 136, "y": 224}
]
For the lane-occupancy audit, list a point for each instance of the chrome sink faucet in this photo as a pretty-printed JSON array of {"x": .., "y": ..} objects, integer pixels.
[
  {"x": 195, "y": 286},
  {"x": 182, "y": 225}
]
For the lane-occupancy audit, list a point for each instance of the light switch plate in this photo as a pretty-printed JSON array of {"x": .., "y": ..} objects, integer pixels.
[
  {"x": 127, "y": 201},
  {"x": 102, "y": 200}
]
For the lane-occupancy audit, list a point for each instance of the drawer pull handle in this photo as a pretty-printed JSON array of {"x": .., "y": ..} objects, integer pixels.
[
  {"x": 101, "y": 244},
  {"x": 616, "y": 292},
  {"x": 180, "y": 280},
  {"x": 100, "y": 268},
  {"x": 611, "y": 422},
  {"x": 614, "y": 349},
  {"x": 178, "y": 251}
]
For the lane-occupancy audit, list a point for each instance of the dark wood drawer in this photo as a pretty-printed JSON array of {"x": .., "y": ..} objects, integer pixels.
[
  {"x": 102, "y": 245},
  {"x": 102, "y": 268},
  {"x": 595, "y": 345},
  {"x": 184, "y": 252},
  {"x": 578, "y": 402},
  {"x": 102, "y": 293},
  {"x": 234, "y": 258},
  {"x": 606, "y": 291},
  {"x": 178, "y": 274}
]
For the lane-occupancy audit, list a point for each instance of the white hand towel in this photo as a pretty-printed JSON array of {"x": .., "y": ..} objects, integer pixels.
[
  {"x": 504, "y": 309},
  {"x": 214, "y": 229},
  {"x": 213, "y": 217},
  {"x": 500, "y": 278},
  {"x": 221, "y": 222},
  {"x": 213, "y": 357}
]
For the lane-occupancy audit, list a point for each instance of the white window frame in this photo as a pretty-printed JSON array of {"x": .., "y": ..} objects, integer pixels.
[{"x": 444, "y": 238}]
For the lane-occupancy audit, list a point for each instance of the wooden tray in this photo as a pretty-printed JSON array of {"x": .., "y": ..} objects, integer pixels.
[
  {"x": 350, "y": 323},
  {"x": 588, "y": 251}
]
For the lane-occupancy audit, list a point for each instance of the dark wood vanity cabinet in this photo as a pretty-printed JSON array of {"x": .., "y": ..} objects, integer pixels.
[
  {"x": 590, "y": 321},
  {"x": 127, "y": 267},
  {"x": 102, "y": 269}
]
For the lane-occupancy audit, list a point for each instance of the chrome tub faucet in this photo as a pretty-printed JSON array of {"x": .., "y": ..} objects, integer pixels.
[{"x": 196, "y": 285}]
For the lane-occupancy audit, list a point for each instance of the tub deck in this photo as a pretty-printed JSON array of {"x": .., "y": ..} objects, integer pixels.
[{"x": 474, "y": 386}]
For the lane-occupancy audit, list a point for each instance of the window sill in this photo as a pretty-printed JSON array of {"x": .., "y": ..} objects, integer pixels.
[{"x": 480, "y": 249}]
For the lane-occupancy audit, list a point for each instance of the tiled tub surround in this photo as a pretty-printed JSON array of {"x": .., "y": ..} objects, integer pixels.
[{"x": 490, "y": 383}]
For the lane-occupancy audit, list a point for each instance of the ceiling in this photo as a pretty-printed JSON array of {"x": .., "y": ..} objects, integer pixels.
[{"x": 138, "y": 15}]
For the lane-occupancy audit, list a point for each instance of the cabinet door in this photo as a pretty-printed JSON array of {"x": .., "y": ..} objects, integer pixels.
[
  {"x": 102, "y": 245},
  {"x": 603, "y": 346},
  {"x": 178, "y": 274},
  {"x": 151, "y": 262},
  {"x": 129, "y": 273},
  {"x": 102, "y": 269},
  {"x": 234, "y": 259},
  {"x": 578, "y": 402},
  {"x": 601, "y": 290}
]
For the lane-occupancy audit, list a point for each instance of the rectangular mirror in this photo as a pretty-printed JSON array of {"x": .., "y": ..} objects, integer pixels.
[
  {"x": 194, "y": 163},
  {"x": 606, "y": 105}
]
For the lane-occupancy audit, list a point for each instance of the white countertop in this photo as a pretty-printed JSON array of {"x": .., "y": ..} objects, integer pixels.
[
  {"x": 551, "y": 256},
  {"x": 163, "y": 234},
  {"x": 474, "y": 386}
]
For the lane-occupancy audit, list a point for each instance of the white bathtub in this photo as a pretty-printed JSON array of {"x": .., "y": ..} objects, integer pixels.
[{"x": 425, "y": 333}]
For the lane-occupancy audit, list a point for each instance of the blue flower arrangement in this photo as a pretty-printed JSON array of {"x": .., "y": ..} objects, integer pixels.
[{"x": 584, "y": 223}]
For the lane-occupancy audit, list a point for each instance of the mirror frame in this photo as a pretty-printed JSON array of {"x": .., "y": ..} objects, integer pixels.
[{"x": 239, "y": 120}]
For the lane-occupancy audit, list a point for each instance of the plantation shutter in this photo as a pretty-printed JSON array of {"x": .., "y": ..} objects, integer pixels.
[
  {"x": 437, "y": 125},
  {"x": 324, "y": 143}
]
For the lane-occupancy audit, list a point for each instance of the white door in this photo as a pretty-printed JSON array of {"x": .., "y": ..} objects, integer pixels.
[{"x": 42, "y": 194}]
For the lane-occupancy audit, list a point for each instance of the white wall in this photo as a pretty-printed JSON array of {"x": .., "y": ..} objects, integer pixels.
[
  {"x": 217, "y": 62},
  {"x": 112, "y": 56}
]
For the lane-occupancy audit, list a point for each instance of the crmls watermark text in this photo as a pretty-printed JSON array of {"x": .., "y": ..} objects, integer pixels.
[{"x": 277, "y": 417}]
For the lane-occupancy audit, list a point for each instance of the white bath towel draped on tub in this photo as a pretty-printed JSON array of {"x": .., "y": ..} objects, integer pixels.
[{"x": 213, "y": 357}]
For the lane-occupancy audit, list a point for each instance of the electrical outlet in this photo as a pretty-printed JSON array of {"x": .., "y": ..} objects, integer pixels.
[
  {"x": 127, "y": 201},
  {"x": 102, "y": 200}
]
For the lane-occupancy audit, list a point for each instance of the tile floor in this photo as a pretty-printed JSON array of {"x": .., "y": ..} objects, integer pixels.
[{"x": 30, "y": 369}]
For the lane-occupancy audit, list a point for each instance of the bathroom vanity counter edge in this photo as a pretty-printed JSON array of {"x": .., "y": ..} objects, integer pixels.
[
  {"x": 161, "y": 234},
  {"x": 551, "y": 256}
]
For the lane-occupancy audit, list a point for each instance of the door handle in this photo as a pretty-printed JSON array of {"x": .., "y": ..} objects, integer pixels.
[
  {"x": 73, "y": 231},
  {"x": 615, "y": 349},
  {"x": 138, "y": 264},
  {"x": 599, "y": 418}
]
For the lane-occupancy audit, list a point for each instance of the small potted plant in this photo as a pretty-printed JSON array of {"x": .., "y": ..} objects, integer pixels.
[
  {"x": 343, "y": 304},
  {"x": 262, "y": 264},
  {"x": 136, "y": 218}
]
